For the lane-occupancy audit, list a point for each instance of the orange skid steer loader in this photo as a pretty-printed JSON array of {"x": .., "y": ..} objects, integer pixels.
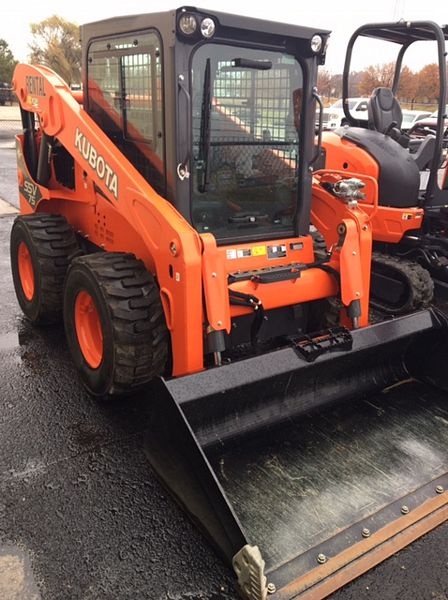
[{"x": 165, "y": 216}]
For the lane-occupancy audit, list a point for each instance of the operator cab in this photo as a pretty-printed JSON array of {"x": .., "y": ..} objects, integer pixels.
[{"x": 215, "y": 111}]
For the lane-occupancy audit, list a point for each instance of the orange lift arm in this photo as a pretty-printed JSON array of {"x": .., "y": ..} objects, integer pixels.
[{"x": 162, "y": 229}]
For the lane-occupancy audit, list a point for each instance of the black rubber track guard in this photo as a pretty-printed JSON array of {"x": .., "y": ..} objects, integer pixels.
[{"x": 239, "y": 450}]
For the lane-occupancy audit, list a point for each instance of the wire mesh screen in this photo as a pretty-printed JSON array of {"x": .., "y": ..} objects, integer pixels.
[
  {"x": 104, "y": 92},
  {"x": 125, "y": 99},
  {"x": 259, "y": 100},
  {"x": 137, "y": 89},
  {"x": 246, "y": 119}
]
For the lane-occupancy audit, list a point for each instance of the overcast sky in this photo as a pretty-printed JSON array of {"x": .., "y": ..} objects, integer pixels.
[{"x": 340, "y": 16}]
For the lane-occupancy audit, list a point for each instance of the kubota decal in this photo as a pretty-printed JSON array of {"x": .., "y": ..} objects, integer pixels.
[{"x": 97, "y": 162}]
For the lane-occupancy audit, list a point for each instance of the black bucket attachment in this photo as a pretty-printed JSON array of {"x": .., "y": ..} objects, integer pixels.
[{"x": 299, "y": 491}]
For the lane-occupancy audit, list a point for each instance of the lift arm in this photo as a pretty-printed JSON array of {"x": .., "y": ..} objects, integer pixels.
[{"x": 174, "y": 245}]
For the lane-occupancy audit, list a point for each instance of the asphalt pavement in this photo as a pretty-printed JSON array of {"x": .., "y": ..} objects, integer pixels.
[
  {"x": 8, "y": 178},
  {"x": 83, "y": 517},
  {"x": 77, "y": 496}
]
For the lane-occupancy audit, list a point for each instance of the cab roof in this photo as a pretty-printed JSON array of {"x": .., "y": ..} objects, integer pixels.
[{"x": 164, "y": 21}]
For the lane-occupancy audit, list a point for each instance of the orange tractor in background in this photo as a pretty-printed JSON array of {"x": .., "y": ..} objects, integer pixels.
[
  {"x": 410, "y": 240},
  {"x": 165, "y": 216}
]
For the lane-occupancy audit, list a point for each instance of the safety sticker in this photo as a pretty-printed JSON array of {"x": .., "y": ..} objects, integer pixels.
[
  {"x": 244, "y": 252},
  {"x": 33, "y": 101},
  {"x": 259, "y": 250},
  {"x": 277, "y": 251},
  {"x": 231, "y": 253}
]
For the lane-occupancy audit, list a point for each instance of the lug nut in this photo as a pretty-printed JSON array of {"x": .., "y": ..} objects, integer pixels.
[
  {"x": 405, "y": 509},
  {"x": 271, "y": 588},
  {"x": 439, "y": 489}
]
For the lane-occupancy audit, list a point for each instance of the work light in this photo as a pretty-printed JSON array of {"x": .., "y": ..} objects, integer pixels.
[
  {"x": 316, "y": 43},
  {"x": 207, "y": 27},
  {"x": 188, "y": 24}
]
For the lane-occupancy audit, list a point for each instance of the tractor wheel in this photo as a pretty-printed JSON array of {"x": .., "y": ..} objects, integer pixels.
[
  {"x": 114, "y": 322},
  {"x": 42, "y": 246}
]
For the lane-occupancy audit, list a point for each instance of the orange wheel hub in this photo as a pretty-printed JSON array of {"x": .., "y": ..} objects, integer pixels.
[
  {"x": 88, "y": 329},
  {"x": 26, "y": 271}
]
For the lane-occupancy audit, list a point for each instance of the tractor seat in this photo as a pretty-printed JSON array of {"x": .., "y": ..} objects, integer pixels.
[{"x": 385, "y": 116}]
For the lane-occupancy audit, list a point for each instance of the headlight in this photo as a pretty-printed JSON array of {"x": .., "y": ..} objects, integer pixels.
[
  {"x": 207, "y": 27},
  {"x": 188, "y": 24},
  {"x": 316, "y": 43}
]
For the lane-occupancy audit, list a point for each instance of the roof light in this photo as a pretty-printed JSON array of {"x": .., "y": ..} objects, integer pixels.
[
  {"x": 316, "y": 43},
  {"x": 188, "y": 24},
  {"x": 207, "y": 27}
]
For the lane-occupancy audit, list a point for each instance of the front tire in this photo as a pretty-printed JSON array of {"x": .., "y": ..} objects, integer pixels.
[
  {"x": 114, "y": 322},
  {"x": 41, "y": 248}
]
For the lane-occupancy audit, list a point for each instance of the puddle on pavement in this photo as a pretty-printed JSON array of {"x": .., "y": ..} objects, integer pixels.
[{"x": 16, "y": 578}]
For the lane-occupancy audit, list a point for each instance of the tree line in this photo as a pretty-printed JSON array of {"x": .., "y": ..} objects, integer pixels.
[
  {"x": 55, "y": 44},
  {"x": 414, "y": 86}
]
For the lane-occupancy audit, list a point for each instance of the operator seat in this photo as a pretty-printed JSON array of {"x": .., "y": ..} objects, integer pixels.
[{"x": 385, "y": 116}]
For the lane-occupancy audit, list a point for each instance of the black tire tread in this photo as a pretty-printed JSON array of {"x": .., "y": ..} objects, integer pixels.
[
  {"x": 137, "y": 317},
  {"x": 55, "y": 244}
]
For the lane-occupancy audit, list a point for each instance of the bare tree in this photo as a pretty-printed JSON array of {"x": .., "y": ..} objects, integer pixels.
[
  {"x": 408, "y": 84},
  {"x": 324, "y": 83},
  {"x": 428, "y": 83},
  {"x": 336, "y": 85},
  {"x": 376, "y": 76},
  {"x": 56, "y": 45}
]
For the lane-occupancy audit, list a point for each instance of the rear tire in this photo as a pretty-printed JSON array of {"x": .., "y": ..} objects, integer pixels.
[
  {"x": 114, "y": 322},
  {"x": 42, "y": 246}
]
